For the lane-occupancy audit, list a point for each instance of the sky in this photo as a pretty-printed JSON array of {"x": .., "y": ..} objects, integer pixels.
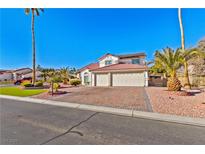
[{"x": 77, "y": 37}]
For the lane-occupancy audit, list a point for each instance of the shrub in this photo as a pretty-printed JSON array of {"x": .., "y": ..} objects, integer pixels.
[
  {"x": 39, "y": 84},
  {"x": 75, "y": 82},
  {"x": 26, "y": 84},
  {"x": 57, "y": 79},
  {"x": 56, "y": 86}
]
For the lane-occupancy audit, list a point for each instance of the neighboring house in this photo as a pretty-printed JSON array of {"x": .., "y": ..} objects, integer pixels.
[
  {"x": 6, "y": 75},
  {"x": 38, "y": 75},
  {"x": 19, "y": 73},
  {"x": 116, "y": 70}
]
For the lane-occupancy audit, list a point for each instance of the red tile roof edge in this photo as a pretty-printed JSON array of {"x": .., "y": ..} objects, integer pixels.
[
  {"x": 109, "y": 68},
  {"x": 87, "y": 67}
]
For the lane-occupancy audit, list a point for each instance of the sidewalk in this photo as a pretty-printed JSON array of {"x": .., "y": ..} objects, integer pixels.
[{"x": 110, "y": 110}]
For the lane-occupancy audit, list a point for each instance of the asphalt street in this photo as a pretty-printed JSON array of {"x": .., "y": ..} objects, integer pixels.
[{"x": 29, "y": 123}]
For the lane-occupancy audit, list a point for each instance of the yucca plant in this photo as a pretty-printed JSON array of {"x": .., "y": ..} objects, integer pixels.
[
  {"x": 170, "y": 61},
  {"x": 34, "y": 12}
]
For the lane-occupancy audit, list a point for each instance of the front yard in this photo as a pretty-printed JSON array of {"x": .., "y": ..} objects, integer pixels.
[
  {"x": 167, "y": 102},
  {"x": 16, "y": 91},
  {"x": 152, "y": 99}
]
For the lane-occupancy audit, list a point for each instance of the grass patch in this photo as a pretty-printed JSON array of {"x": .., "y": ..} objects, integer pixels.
[{"x": 16, "y": 91}]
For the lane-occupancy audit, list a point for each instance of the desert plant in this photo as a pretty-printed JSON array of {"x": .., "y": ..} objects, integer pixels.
[
  {"x": 45, "y": 74},
  {"x": 33, "y": 11},
  {"x": 39, "y": 84},
  {"x": 186, "y": 56},
  {"x": 56, "y": 86},
  {"x": 75, "y": 82},
  {"x": 64, "y": 74},
  {"x": 26, "y": 84},
  {"x": 170, "y": 61}
]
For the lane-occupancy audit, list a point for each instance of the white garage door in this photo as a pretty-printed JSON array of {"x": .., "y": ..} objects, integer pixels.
[
  {"x": 102, "y": 80},
  {"x": 128, "y": 79}
]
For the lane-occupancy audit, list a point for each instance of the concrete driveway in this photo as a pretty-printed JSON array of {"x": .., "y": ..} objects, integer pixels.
[{"x": 119, "y": 97}]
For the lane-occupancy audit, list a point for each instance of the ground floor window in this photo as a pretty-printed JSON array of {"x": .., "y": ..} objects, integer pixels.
[{"x": 86, "y": 78}]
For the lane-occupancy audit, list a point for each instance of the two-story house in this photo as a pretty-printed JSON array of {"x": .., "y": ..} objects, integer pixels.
[{"x": 116, "y": 70}]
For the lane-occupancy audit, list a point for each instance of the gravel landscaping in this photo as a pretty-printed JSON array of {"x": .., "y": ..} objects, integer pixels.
[{"x": 167, "y": 102}]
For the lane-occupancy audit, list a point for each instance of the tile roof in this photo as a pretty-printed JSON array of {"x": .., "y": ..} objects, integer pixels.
[
  {"x": 105, "y": 55},
  {"x": 90, "y": 67},
  {"x": 124, "y": 55},
  {"x": 21, "y": 69},
  {"x": 131, "y": 55},
  {"x": 121, "y": 67}
]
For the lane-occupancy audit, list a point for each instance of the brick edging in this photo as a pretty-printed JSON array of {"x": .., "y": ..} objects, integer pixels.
[{"x": 147, "y": 101}]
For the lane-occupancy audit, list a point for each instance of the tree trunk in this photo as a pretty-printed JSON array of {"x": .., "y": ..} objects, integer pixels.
[
  {"x": 186, "y": 73},
  {"x": 34, "y": 50},
  {"x": 186, "y": 76},
  {"x": 181, "y": 29}
]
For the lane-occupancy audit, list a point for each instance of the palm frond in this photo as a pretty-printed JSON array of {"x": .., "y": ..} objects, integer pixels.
[
  {"x": 37, "y": 12},
  {"x": 27, "y": 11},
  {"x": 42, "y": 10}
]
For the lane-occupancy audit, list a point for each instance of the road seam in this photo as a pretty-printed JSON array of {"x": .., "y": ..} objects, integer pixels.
[
  {"x": 116, "y": 111},
  {"x": 69, "y": 130}
]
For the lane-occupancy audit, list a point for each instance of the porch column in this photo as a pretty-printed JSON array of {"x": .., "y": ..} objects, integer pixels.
[{"x": 146, "y": 79}]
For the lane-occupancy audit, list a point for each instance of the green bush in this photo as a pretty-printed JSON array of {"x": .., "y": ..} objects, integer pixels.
[
  {"x": 56, "y": 86},
  {"x": 75, "y": 82},
  {"x": 57, "y": 79},
  {"x": 26, "y": 84},
  {"x": 39, "y": 84}
]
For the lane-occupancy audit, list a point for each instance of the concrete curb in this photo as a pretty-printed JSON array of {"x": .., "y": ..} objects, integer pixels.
[{"x": 116, "y": 111}]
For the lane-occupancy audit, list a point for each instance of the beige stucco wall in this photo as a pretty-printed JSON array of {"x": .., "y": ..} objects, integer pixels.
[
  {"x": 112, "y": 58},
  {"x": 89, "y": 76},
  {"x": 129, "y": 60}
]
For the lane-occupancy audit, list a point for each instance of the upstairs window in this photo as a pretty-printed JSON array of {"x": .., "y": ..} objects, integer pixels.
[
  {"x": 108, "y": 62},
  {"x": 135, "y": 61}
]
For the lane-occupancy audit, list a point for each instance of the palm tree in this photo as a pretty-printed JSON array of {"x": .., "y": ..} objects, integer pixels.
[
  {"x": 34, "y": 12},
  {"x": 170, "y": 62},
  {"x": 64, "y": 72},
  {"x": 184, "y": 52},
  {"x": 45, "y": 74},
  {"x": 157, "y": 68}
]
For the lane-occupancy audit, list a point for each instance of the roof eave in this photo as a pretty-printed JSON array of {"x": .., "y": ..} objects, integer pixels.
[{"x": 120, "y": 70}]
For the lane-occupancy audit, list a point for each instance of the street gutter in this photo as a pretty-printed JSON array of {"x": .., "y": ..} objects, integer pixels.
[{"x": 123, "y": 112}]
